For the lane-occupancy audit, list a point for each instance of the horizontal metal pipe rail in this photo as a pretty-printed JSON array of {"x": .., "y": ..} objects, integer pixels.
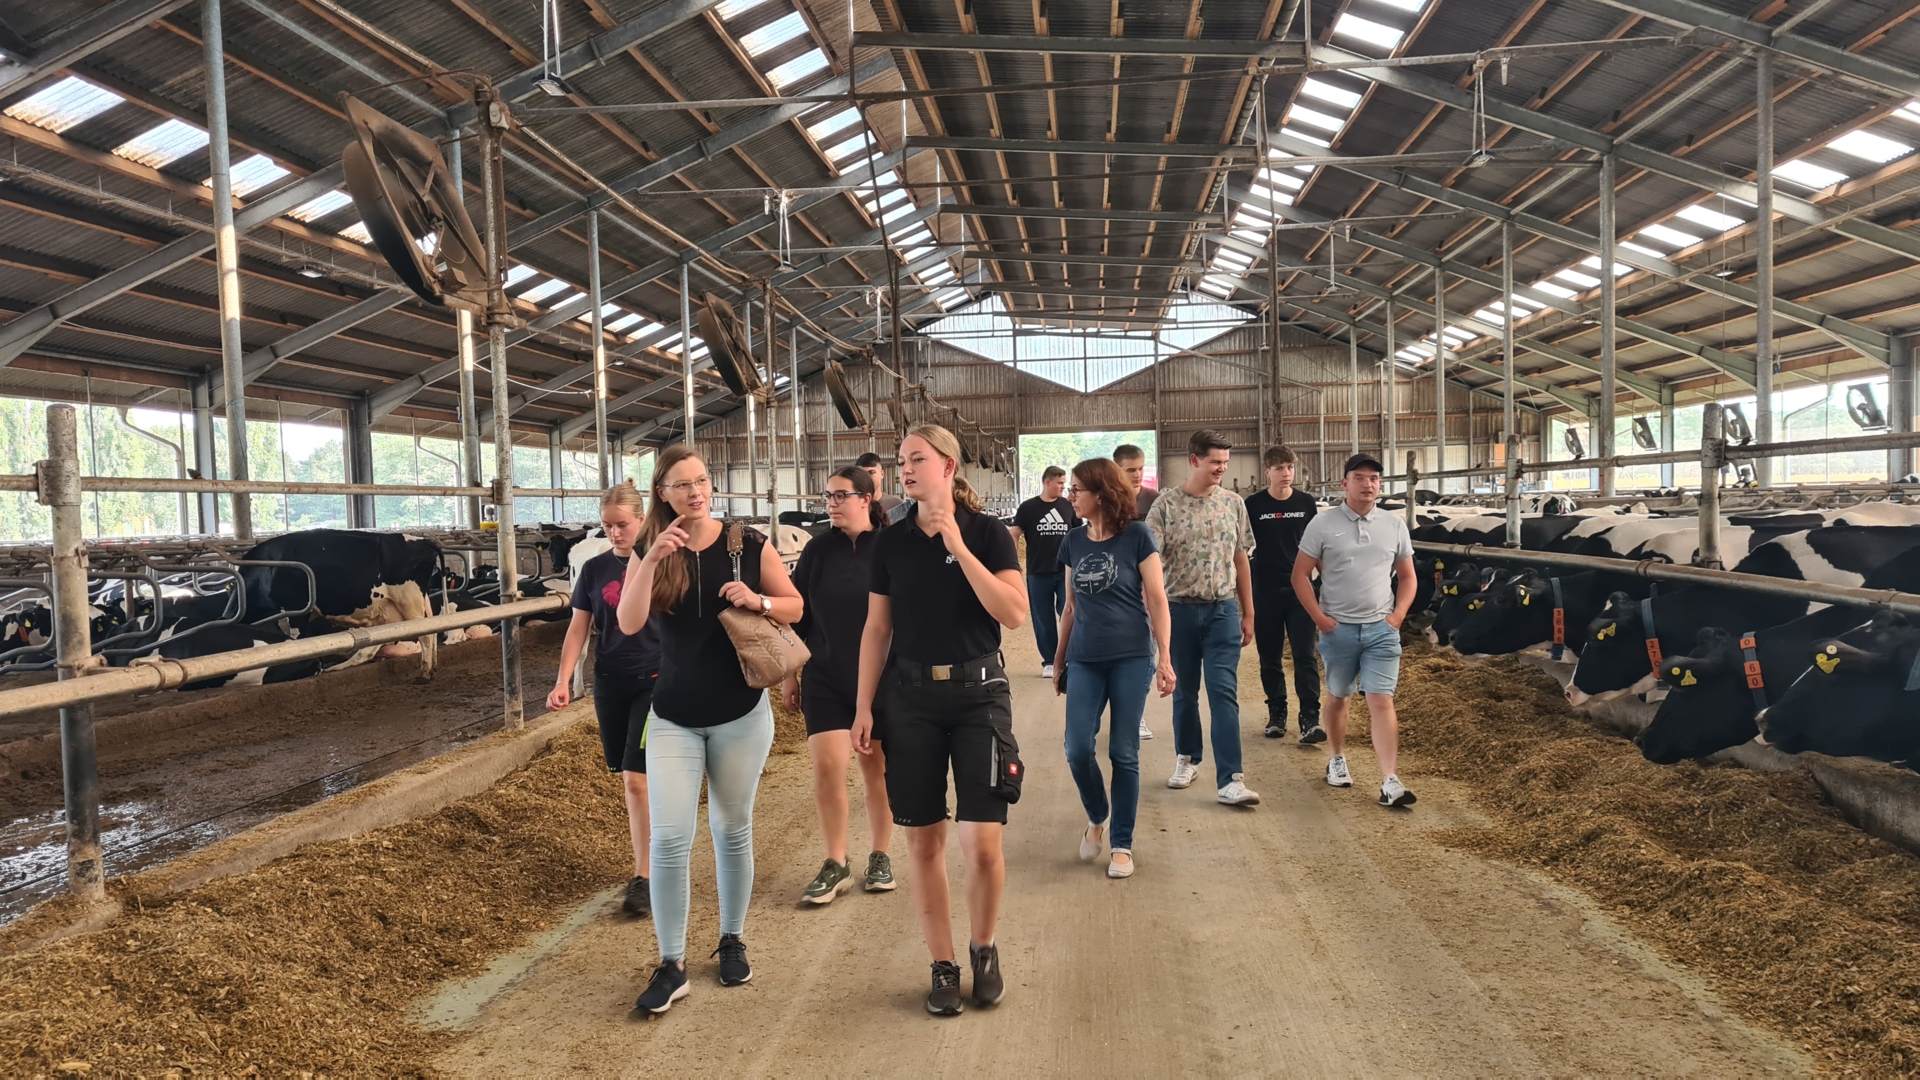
[
  {"x": 147, "y": 676},
  {"x": 1894, "y": 600},
  {"x": 1897, "y": 440},
  {"x": 163, "y": 484}
]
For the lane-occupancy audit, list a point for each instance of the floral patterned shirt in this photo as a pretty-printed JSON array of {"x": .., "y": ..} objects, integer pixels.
[{"x": 1198, "y": 538}]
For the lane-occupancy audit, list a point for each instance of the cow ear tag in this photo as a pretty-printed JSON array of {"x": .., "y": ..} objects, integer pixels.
[
  {"x": 1605, "y": 632},
  {"x": 1453, "y": 590},
  {"x": 1526, "y": 599},
  {"x": 1689, "y": 680},
  {"x": 1826, "y": 663}
]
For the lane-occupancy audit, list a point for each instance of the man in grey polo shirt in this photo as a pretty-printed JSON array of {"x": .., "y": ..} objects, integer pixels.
[{"x": 1365, "y": 559}]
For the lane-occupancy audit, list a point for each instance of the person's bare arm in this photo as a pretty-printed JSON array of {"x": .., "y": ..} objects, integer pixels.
[
  {"x": 636, "y": 592},
  {"x": 775, "y": 585},
  {"x": 1304, "y": 566},
  {"x": 1153, "y": 586},
  {"x": 1404, "y": 586},
  {"x": 1060, "y": 653},
  {"x": 876, "y": 641},
  {"x": 570, "y": 651},
  {"x": 1243, "y": 588}
]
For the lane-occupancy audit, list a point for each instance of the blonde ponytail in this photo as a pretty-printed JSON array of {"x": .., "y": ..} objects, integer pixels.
[
  {"x": 625, "y": 495},
  {"x": 947, "y": 446}
]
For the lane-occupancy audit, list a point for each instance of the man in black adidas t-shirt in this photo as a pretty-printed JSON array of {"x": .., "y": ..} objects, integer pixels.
[
  {"x": 1043, "y": 521},
  {"x": 1280, "y": 514}
]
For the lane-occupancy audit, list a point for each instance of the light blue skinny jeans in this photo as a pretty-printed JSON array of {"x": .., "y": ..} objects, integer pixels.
[{"x": 731, "y": 756}]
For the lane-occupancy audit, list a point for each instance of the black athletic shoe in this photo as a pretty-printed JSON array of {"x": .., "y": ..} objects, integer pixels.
[
  {"x": 987, "y": 983},
  {"x": 1276, "y": 729},
  {"x": 734, "y": 968},
  {"x": 1311, "y": 733},
  {"x": 668, "y": 985},
  {"x": 944, "y": 999},
  {"x": 639, "y": 901}
]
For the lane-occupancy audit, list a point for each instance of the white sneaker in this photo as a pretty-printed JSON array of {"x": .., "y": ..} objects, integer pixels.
[
  {"x": 1184, "y": 770},
  {"x": 1145, "y": 731},
  {"x": 1395, "y": 793},
  {"x": 1046, "y": 671},
  {"x": 1090, "y": 849},
  {"x": 1337, "y": 775},
  {"x": 1238, "y": 794}
]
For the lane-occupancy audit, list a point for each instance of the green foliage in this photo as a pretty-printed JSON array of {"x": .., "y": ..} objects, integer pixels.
[{"x": 1039, "y": 451}]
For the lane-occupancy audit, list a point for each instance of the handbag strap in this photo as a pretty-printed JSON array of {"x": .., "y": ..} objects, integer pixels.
[{"x": 734, "y": 529}]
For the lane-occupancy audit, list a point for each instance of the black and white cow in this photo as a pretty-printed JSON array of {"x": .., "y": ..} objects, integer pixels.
[
  {"x": 346, "y": 566},
  {"x": 1522, "y": 612},
  {"x": 1858, "y": 697}
]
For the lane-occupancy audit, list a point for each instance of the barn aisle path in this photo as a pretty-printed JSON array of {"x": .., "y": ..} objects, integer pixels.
[{"x": 1316, "y": 935}]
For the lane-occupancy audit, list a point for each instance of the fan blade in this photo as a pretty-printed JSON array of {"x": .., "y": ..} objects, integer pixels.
[
  {"x": 405, "y": 195},
  {"x": 720, "y": 328},
  {"x": 844, "y": 402}
]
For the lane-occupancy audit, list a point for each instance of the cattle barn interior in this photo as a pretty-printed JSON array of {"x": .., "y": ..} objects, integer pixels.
[{"x": 325, "y": 325}]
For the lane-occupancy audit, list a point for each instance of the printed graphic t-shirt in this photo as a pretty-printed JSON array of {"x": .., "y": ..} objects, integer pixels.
[
  {"x": 1277, "y": 525},
  {"x": 1109, "y": 606},
  {"x": 598, "y": 592},
  {"x": 1044, "y": 524},
  {"x": 1199, "y": 535}
]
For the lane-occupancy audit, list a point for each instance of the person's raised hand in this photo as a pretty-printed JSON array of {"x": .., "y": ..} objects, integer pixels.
[{"x": 671, "y": 539}]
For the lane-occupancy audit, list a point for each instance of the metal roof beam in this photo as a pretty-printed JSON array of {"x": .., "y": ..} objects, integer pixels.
[
  {"x": 990, "y": 145},
  {"x": 1079, "y": 260},
  {"x": 1070, "y": 213},
  {"x": 1876, "y": 74},
  {"x": 94, "y": 30},
  {"x": 1078, "y": 46}
]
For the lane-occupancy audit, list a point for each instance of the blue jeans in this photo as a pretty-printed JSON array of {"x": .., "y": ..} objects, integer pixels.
[
  {"x": 1091, "y": 688},
  {"x": 1207, "y": 636},
  {"x": 731, "y": 757},
  {"x": 1046, "y": 599}
]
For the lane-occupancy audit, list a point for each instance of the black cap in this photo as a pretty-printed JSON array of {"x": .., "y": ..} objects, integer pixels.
[{"x": 1364, "y": 461}]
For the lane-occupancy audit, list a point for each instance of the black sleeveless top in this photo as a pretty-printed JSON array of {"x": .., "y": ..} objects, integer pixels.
[{"x": 700, "y": 681}]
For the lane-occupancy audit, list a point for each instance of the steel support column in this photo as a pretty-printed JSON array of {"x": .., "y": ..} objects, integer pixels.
[
  {"x": 204, "y": 458},
  {"x": 499, "y": 317},
  {"x": 360, "y": 510},
  {"x": 599, "y": 350},
  {"x": 79, "y": 763},
  {"x": 1763, "y": 265},
  {"x": 1390, "y": 391},
  {"x": 1602, "y": 425},
  {"x": 463, "y": 350},
  {"x": 1440, "y": 376},
  {"x": 1666, "y": 434},
  {"x": 226, "y": 254},
  {"x": 1507, "y": 429},
  {"x": 1900, "y": 403},
  {"x": 686, "y": 355}
]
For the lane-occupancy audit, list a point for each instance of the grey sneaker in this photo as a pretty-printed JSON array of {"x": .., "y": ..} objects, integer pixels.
[
  {"x": 1395, "y": 793},
  {"x": 879, "y": 873},
  {"x": 639, "y": 899},
  {"x": 1337, "y": 774},
  {"x": 988, "y": 986},
  {"x": 832, "y": 880},
  {"x": 945, "y": 998},
  {"x": 1311, "y": 732}
]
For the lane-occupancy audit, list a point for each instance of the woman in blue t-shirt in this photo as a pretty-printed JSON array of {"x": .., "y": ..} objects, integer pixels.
[{"x": 1107, "y": 656}]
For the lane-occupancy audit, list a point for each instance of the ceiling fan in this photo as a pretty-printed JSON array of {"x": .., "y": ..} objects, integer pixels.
[{"x": 411, "y": 206}]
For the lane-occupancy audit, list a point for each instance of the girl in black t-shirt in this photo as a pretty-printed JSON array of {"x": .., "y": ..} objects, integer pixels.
[
  {"x": 832, "y": 575},
  {"x": 624, "y": 669},
  {"x": 706, "y": 721},
  {"x": 952, "y": 571}
]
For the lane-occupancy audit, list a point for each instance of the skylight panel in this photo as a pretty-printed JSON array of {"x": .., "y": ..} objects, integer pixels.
[
  {"x": 848, "y": 148},
  {"x": 897, "y": 213},
  {"x": 807, "y": 63},
  {"x": 1456, "y": 334},
  {"x": 251, "y": 175},
  {"x": 1291, "y": 183},
  {"x": 621, "y": 324},
  {"x": 1867, "y": 146},
  {"x": 1251, "y": 236},
  {"x": 1712, "y": 219},
  {"x": 1552, "y": 289},
  {"x": 667, "y": 342},
  {"x": 733, "y": 8},
  {"x": 1366, "y": 31},
  {"x": 1592, "y": 262},
  {"x": 1329, "y": 93},
  {"x": 1807, "y": 174},
  {"x": 169, "y": 142},
  {"x": 645, "y": 330},
  {"x": 565, "y": 300},
  {"x": 1492, "y": 314},
  {"x": 916, "y": 254},
  {"x": 357, "y": 232},
  {"x": 1300, "y": 114},
  {"x": 1305, "y": 137},
  {"x": 607, "y": 310},
  {"x": 918, "y": 233},
  {"x": 836, "y": 122},
  {"x": 774, "y": 34},
  {"x": 69, "y": 102},
  {"x": 1668, "y": 235},
  {"x": 543, "y": 290},
  {"x": 518, "y": 273},
  {"x": 1404, "y": 5},
  {"x": 1585, "y": 281},
  {"x": 1910, "y": 112},
  {"x": 1527, "y": 305}
]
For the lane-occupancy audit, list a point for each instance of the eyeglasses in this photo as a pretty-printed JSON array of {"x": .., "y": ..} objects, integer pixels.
[
  {"x": 1078, "y": 490},
  {"x": 688, "y": 487},
  {"x": 835, "y": 498}
]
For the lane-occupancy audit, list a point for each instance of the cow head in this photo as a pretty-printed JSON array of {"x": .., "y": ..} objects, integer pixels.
[
  {"x": 419, "y": 563},
  {"x": 1854, "y": 699},
  {"x": 1708, "y": 707},
  {"x": 1454, "y": 597},
  {"x": 1615, "y": 655}
]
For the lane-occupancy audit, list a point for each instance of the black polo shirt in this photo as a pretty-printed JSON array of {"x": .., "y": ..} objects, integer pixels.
[
  {"x": 832, "y": 575},
  {"x": 937, "y": 617}
]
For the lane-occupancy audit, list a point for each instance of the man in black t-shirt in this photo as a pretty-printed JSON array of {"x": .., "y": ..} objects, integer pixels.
[
  {"x": 1280, "y": 514},
  {"x": 1044, "y": 521},
  {"x": 1133, "y": 465}
]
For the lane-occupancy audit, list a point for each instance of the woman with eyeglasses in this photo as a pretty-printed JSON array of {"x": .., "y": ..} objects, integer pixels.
[
  {"x": 952, "y": 573},
  {"x": 706, "y": 721},
  {"x": 1116, "y": 614},
  {"x": 832, "y": 575}
]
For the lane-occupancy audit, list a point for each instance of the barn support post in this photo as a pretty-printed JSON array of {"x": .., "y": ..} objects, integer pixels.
[
  {"x": 1391, "y": 390},
  {"x": 1413, "y": 477},
  {"x": 463, "y": 342},
  {"x": 599, "y": 351},
  {"x": 1713, "y": 446},
  {"x": 1507, "y": 429},
  {"x": 80, "y": 769},
  {"x": 686, "y": 352},
  {"x": 492, "y": 116},
  {"x": 1439, "y": 378},
  {"x": 203, "y": 454},
  {"x": 1513, "y": 488},
  {"x": 1601, "y": 426},
  {"x": 556, "y": 471},
  {"x": 1763, "y": 264},
  {"x": 226, "y": 251},
  {"x": 802, "y": 453},
  {"x": 1900, "y": 403},
  {"x": 1353, "y": 387},
  {"x": 1666, "y": 433},
  {"x": 1321, "y": 475},
  {"x": 360, "y": 511},
  {"x": 1595, "y": 475}
]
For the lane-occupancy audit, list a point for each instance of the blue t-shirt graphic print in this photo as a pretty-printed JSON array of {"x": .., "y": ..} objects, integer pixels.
[{"x": 1109, "y": 606}]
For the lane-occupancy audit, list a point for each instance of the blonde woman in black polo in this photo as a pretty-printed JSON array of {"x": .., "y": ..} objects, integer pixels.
[{"x": 955, "y": 570}]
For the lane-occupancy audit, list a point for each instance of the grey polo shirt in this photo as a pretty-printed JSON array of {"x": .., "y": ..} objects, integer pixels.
[{"x": 1356, "y": 561}]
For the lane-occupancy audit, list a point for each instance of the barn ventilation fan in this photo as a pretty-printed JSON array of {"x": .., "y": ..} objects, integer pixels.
[
  {"x": 411, "y": 206},
  {"x": 1864, "y": 409},
  {"x": 1735, "y": 423},
  {"x": 726, "y": 338},
  {"x": 1643, "y": 434},
  {"x": 844, "y": 402},
  {"x": 1574, "y": 445}
]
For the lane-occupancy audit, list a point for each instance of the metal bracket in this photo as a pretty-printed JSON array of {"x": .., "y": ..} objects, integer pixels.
[
  {"x": 497, "y": 491},
  {"x": 56, "y": 483}
]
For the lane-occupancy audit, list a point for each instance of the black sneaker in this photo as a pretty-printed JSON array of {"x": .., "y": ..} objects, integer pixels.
[
  {"x": 668, "y": 985},
  {"x": 987, "y": 983},
  {"x": 639, "y": 901},
  {"x": 1311, "y": 733},
  {"x": 879, "y": 873},
  {"x": 1276, "y": 729},
  {"x": 944, "y": 999},
  {"x": 734, "y": 968}
]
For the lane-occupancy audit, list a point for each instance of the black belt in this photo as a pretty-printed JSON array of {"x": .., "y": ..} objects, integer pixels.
[{"x": 976, "y": 672}]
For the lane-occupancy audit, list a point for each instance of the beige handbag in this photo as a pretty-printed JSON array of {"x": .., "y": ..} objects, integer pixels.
[{"x": 769, "y": 650}]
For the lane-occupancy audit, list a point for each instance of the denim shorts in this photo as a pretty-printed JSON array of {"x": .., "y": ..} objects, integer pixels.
[{"x": 1366, "y": 653}]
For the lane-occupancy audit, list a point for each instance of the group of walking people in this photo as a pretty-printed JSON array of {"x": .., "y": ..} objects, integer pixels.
[{"x": 1131, "y": 592}]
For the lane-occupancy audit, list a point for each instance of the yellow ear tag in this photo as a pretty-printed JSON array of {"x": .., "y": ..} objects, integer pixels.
[
  {"x": 1605, "y": 632},
  {"x": 1826, "y": 663},
  {"x": 1453, "y": 590},
  {"x": 1689, "y": 680},
  {"x": 1525, "y": 599}
]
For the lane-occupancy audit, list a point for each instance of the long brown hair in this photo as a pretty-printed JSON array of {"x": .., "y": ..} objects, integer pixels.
[
  {"x": 947, "y": 446},
  {"x": 862, "y": 482},
  {"x": 670, "y": 578},
  {"x": 1103, "y": 479}
]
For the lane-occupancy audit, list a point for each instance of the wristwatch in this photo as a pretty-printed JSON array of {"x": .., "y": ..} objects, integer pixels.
[{"x": 766, "y": 604}]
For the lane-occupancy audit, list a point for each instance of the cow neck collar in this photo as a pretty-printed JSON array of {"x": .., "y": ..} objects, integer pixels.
[
  {"x": 1750, "y": 667},
  {"x": 1653, "y": 635},
  {"x": 1913, "y": 674}
]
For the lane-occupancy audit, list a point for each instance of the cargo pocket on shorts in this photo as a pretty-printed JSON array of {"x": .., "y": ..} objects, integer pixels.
[{"x": 1008, "y": 770}]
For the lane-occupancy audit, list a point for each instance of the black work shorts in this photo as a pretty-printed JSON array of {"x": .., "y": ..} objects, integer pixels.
[
  {"x": 932, "y": 726},
  {"x": 621, "y": 704},
  {"x": 828, "y": 707}
]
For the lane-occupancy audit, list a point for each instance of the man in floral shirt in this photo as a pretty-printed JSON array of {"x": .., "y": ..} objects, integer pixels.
[{"x": 1204, "y": 537}]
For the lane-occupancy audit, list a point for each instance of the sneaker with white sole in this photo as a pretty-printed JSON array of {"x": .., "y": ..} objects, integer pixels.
[
  {"x": 668, "y": 985},
  {"x": 1237, "y": 793},
  {"x": 1145, "y": 731},
  {"x": 1337, "y": 774},
  {"x": 1090, "y": 849},
  {"x": 1311, "y": 732},
  {"x": 1046, "y": 671},
  {"x": 1395, "y": 793},
  {"x": 1184, "y": 770}
]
